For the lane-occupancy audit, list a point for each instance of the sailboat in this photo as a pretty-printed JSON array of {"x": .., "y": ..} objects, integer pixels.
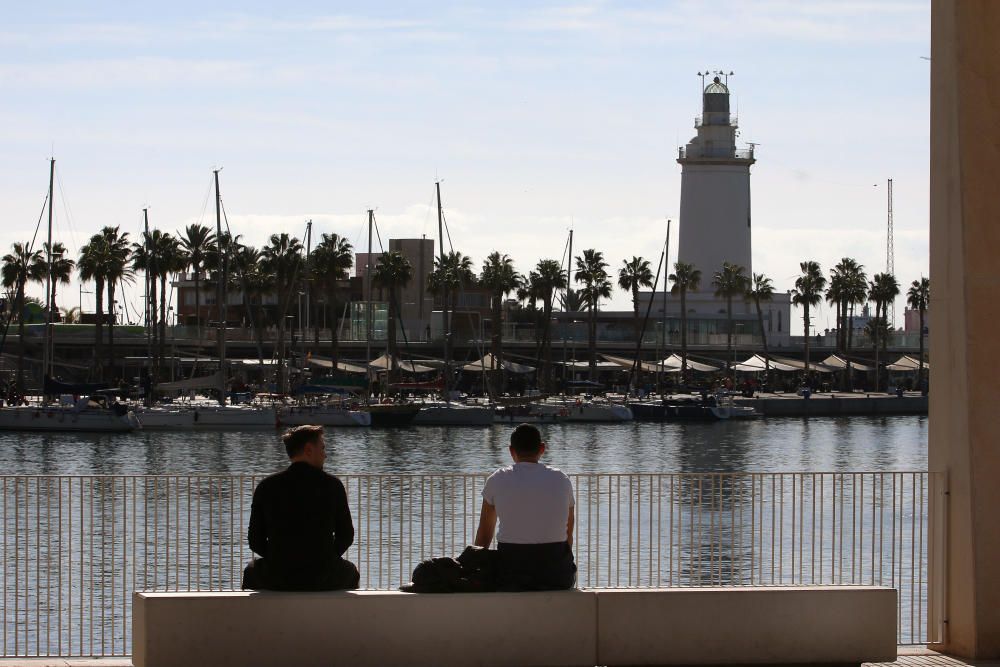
[
  {"x": 207, "y": 414},
  {"x": 97, "y": 412},
  {"x": 447, "y": 413}
]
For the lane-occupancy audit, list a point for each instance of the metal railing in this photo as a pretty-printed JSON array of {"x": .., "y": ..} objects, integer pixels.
[{"x": 75, "y": 548}]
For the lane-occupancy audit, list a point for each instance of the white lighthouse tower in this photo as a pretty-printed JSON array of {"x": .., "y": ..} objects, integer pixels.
[{"x": 715, "y": 188}]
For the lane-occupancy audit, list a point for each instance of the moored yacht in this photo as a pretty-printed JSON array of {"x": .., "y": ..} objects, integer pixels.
[
  {"x": 207, "y": 416},
  {"x": 86, "y": 415}
]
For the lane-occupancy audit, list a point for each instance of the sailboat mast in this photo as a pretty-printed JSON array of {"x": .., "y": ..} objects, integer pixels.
[
  {"x": 446, "y": 323},
  {"x": 309, "y": 229},
  {"x": 49, "y": 349},
  {"x": 368, "y": 296},
  {"x": 145, "y": 297},
  {"x": 220, "y": 294},
  {"x": 663, "y": 320},
  {"x": 569, "y": 265}
]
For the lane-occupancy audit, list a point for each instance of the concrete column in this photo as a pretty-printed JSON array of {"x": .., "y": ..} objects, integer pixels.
[{"x": 965, "y": 312}]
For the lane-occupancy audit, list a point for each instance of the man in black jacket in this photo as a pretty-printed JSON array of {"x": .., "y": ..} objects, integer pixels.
[{"x": 300, "y": 523}]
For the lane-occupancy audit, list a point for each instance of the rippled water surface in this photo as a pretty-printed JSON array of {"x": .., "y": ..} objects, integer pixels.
[{"x": 794, "y": 444}]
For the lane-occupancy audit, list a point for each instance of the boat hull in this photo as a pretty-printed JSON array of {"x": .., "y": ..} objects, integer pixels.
[
  {"x": 209, "y": 417},
  {"x": 25, "y": 418},
  {"x": 392, "y": 415},
  {"x": 587, "y": 412},
  {"x": 445, "y": 415},
  {"x": 673, "y": 412},
  {"x": 324, "y": 416}
]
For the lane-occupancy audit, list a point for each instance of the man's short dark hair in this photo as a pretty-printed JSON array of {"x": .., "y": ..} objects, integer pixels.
[
  {"x": 297, "y": 438},
  {"x": 526, "y": 440}
]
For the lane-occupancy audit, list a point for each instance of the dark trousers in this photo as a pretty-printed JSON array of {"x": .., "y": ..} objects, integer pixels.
[
  {"x": 338, "y": 576},
  {"x": 535, "y": 567}
]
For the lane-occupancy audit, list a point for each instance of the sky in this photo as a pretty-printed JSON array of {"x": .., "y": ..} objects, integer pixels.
[{"x": 536, "y": 117}]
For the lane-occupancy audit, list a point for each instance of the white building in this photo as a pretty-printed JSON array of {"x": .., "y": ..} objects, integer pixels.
[
  {"x": 715, "y": 228},
  {"x": 715, "y": 189}
]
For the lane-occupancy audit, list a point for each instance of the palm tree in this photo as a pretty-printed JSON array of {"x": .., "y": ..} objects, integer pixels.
[
  {"x": 392, "y": 273},
  {"x": 685, "y": 278},
  {"x": 282, "y": 257},
  {"x": 546, "y": 279},
  {"x": 571, "y": 302},
  {"x": 632, "y": 275},
  {"x": 155, "y": 254},
  {"x": 847, "y": 287},
  {"x": 117, "y": 252},
  {"x": 144, "y": 259},
  {"x": 70, "y": 315},
  {"x": 500, "y": 278},
  {"x": 855, "y": 293},
  {"x": 918, "y": 297},
  {"x": 91, "y": 267},
  {"x": 19, "y": 267},
  {"x": 197, "y": 242},
  {"x": 808, "y": 292},
  {"x": 835, "y": 295},
  {"x": 591, "y": 270},
  {"x": 759, "y": 290},
  {"x": 883, "y": 290},
  {"x": 729, "y": 282},
  {"x": 62, "y": 270},
  {"x": 218, "y": 260},
  {"x": 529, "y": 292},
  {"x": 450, "y": 274},
  {"x": 254, "y": 282},
  {"x": 171, "y": 258},
  {"x": 329, "y": 265}
]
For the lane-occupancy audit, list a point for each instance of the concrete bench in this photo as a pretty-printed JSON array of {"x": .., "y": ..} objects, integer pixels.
[
  {"x": 835, "y": 625},
  {"x": 677, "y": 626}
]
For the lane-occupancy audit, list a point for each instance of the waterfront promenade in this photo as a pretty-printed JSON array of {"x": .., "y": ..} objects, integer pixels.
[{"x": 908, "y": 657}]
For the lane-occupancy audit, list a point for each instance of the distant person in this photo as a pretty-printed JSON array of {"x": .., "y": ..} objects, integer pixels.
[
  {"x": 300, "y": 523},
  {"x": 534, "y": 505}
]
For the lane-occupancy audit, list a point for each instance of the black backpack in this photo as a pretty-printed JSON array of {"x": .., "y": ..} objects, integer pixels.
[{"x": 474, "y": 571}]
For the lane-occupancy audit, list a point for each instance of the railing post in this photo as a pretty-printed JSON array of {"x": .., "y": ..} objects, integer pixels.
[{"x": 937, "y": 558}]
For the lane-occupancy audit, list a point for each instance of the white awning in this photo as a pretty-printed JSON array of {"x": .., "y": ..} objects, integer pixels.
[
  {"x": 648, "y": 366},
  {"x": 906, "y": 363},
  {"x": 798, "y": 365},
  {"x": 382, "y": 364},
  {"x": 675, "y": 361},
  {"x": 489, "y": 363},
  {"x": 838, "y": 362},
  {"x": 757, "y": 363},
  {"x": 585, "y": 365}
]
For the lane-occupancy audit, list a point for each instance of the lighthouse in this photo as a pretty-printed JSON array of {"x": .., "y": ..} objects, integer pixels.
[{"x": 715, "y": 187}]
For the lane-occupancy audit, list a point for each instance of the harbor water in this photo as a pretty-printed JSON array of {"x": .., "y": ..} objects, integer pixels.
[
  {"x": 88, "y": 519},
  {"x": 869, "y": 444}
]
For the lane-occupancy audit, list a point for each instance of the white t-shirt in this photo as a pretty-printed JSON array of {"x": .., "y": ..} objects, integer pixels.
[{"x": 532, "y": 502}]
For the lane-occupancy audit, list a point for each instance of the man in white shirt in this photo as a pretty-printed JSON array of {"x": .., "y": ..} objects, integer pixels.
[{"x": 534, "y": 505}]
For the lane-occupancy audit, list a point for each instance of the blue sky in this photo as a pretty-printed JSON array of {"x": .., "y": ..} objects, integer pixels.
[{"x": 535, "y": 116}]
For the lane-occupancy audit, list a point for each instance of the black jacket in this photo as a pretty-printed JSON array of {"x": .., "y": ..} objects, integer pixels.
[{"x": 300, "y": 524}]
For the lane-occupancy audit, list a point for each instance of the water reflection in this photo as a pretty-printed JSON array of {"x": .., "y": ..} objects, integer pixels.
[{"x": 879, "y": 443}]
